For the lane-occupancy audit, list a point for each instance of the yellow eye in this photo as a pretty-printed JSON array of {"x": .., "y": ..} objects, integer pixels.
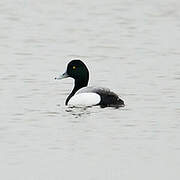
[{"x": 74, "y": 67}]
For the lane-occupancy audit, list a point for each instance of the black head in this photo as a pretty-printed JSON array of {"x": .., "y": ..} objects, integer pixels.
[{"x": 78, "y": 70}]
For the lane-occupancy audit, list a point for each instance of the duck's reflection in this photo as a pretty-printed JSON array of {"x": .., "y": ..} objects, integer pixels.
[{"x": 78, "y": 112}]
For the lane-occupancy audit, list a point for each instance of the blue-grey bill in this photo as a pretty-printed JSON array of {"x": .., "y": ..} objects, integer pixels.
[{"x": 62, "y": 76}]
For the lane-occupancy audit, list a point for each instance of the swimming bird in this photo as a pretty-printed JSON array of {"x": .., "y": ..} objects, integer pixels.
[{"x": 84, "y": 95}]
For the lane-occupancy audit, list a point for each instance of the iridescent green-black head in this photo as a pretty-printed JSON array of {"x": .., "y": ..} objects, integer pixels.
[{"x": 77, "y": 70}]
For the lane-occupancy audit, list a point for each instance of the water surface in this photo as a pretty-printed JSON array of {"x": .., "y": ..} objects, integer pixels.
[{"x": 131, "y": 47}]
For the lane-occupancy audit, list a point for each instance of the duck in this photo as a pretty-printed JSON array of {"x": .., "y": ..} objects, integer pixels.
[{"x": 84, "y": 95}]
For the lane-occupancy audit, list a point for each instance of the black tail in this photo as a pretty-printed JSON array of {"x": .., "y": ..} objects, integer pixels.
[{"x": 111, "y": 100}]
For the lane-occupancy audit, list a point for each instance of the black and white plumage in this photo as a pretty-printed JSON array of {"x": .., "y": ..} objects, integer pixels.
[{"x": 83, "y": 95}]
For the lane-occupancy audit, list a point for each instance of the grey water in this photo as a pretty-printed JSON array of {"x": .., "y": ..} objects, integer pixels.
[{"x": 129, "y": 46}]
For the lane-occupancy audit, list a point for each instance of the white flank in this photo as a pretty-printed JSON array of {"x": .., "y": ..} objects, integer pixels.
[{"x": 84, "y": 99}]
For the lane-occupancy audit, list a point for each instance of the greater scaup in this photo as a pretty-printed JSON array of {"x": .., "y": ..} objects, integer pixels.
[{"x": 82, "y": 95}]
